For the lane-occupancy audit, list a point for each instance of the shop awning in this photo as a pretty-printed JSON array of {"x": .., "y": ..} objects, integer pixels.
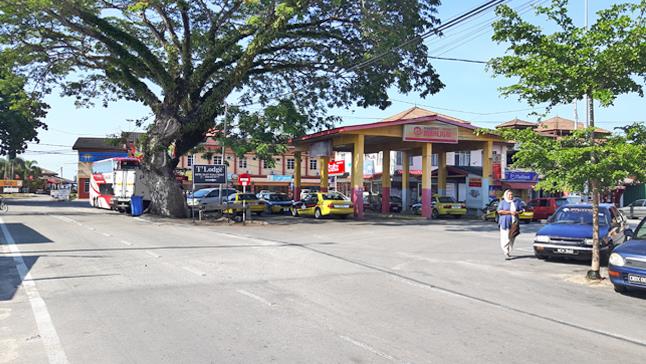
[{"x": 519, "y": 185}]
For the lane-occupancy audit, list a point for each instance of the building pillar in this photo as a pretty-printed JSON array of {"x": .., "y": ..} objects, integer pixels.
[
  {"x": 427, "y": 169},
  {"x": 487, "y": 170},
  {"x": 385, "y": 182},
  {"x": 405, "y": 181},
  {"x": 357, "y": 176},
  {"x": 297, "y": 176},
  {"x": 441, "y": 173},
  {"x": 323, "y": 173}
]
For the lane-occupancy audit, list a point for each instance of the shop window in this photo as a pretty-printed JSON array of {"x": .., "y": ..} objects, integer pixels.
[
  {"x": 313, "y": 164},
  {"x": 463, "y": 158},
  {"x": 86, "y": 185},
  {"x": 189, "y": 161},
  {"x": 242, "y": 163},
  {"x": 290, "y": 163},
  {"x": 217, "y": 159},
  {"x": 265, "y": 164}
]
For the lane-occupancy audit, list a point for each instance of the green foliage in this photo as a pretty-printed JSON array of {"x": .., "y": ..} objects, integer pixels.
[
  {"x": 566, "y": 164},
  {"x": 563, "y": 66},
  {"x": 184, "y": 58},
  {"x": 20, "y": 113}
]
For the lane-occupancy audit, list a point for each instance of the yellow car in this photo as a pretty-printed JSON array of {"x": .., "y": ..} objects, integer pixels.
[
  {"x": 235, "y": 201},
  {"x": 448, "y": 206},
  {"x": 321, "y": 204},
  {"x": 490, "y": 213}
]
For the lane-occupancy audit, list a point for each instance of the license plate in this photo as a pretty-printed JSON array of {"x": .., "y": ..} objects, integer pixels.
[
  {"x": 457, "y": 206},
  {"x": 342, "y": 206},
  {"x": 285, "y": 208},
  {"x": 565, "y": 251},
  {"x": 633, "y": 278}
]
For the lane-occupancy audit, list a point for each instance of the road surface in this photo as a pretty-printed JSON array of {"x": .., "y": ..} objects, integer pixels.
[{"x": 80, "y": 285}]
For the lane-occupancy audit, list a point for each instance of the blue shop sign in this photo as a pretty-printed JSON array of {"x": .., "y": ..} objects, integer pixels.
[
  {"x": 279, "y": 178},
  {"x": 521, "y": 176},
  {"x": 97, "y": 156}
]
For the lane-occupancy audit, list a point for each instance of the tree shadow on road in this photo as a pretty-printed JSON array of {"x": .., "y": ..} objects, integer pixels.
[{"x": 10, "y": 278}]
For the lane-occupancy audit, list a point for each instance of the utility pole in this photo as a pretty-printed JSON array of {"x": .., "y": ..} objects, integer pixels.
[
  {"x": 588, "y": 101},
  {"x": 224, "y": 134}
]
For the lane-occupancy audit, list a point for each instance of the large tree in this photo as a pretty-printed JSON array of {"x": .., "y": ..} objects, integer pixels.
[
  {"x": 570, "y": 63},
  {"x": 184, "y": 58},
  {"x": 21, "y": 112}
]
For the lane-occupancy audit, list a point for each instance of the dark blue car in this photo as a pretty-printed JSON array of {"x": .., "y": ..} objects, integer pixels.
[
  {"x": 627, "y": 265},
  {"x": 568, "y": 233}
]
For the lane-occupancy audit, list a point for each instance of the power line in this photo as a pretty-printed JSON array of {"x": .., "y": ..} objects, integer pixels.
[{"x": 457, "y": 59}]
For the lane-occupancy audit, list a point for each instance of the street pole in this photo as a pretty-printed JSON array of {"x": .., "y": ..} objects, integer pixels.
[
  {"x": 193, "y": 192},
  {"x": 587, "y": 97},
  {"x": 224, "y": 134}
]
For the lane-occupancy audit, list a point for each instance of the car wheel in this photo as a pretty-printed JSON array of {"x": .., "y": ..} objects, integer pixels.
[
  {"x": 294, "y": 212},
  {"x": 343, "y": 217},
  {"x": 318, "y": 214},
  {"x": 435, "y": 214}
]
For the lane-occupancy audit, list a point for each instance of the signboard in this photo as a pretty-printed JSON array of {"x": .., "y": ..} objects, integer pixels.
[
  {"x": 209, "y": 173},
  {"x": 10, "y": 189},
  {"x": 335, "y": 168},
  {"x": 279, "y": 178},
  {"x": 475, "y": 182},
  {"x": 496, "y": 170},
  {"x": 321, "y": 149},
  {"x": 10, "y": 183},
  {"x": 521, "y": 176},
  {"x": 97, "y": 156},
  {"x": 431, "y": 133},
  {"x": 244, "y": 179}
]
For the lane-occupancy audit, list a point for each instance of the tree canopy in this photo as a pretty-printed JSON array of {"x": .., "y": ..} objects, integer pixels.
[{"x": 184, "y": 58}]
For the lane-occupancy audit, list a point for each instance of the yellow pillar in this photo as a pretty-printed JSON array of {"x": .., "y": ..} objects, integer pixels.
[
  {"x": 323, "y": 173},
  {"x": 357, "y": 175},
  {"x": 405, "y": 181},
  {"x": 441, "y": 173},
  {"x": 385, "y": 182},
  {"x": 487, "y": 151},
  {"x": 427, "y": 169},
  {"x": 297, "y": 176}
]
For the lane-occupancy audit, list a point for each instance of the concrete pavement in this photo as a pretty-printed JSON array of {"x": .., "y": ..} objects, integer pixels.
[{"x": 124, "y": 290}]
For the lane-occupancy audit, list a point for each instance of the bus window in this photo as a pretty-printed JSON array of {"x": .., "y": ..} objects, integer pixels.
[
  {"x": 129, "y": 164},
  {"x": 106, "y": 189}
]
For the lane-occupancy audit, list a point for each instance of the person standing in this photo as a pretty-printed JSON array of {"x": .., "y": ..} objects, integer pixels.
[{"x": 508, "y": 211}]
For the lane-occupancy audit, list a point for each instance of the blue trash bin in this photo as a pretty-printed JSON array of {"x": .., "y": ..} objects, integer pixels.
[{"x": 136, "y": 205}]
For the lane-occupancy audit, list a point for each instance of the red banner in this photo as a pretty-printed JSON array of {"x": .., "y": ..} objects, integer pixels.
[{"x": 335, "y": 168}]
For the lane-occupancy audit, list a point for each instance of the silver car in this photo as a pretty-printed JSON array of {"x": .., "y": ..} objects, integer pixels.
[
  {"x": 208, "y": 196},
  {"x": 635, "y": 210}
]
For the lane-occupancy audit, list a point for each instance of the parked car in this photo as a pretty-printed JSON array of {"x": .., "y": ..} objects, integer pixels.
[
  {"x": 235, "y": 201},
  {"x": 627, "y": 263},
  {"x": 635, "y": 210},
  {"x": 373, "y": 202},
  {"x": 490, "y": 212},
  {"x": 443, "y": 206},
  {"x": 207, "y": 196},
  {"x": 276, "y": 202},
  {"x": 321, "y": 204},
  {"x": 568, "y": 233},
  {"x": 544, "y": 207}
]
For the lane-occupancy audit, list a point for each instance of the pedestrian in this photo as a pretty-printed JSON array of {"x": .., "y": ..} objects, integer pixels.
[{"x": 508, "y": 211}]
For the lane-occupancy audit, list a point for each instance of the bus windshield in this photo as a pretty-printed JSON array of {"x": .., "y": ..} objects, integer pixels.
[{"x": 128, "y": 164}]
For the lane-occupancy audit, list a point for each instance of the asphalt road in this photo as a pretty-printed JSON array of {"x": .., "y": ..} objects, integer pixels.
[{"x": 80, "y": 285}]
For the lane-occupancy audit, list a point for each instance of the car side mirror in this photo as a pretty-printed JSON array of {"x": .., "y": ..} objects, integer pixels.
[{"x": 629, "y": 233}]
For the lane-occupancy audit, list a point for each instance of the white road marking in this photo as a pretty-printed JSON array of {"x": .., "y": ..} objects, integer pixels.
[
  {"x": 255, "y": 297},
  {"x": 90, "y": 228},
  {"x": 4, "y": 313},
  {"x": 367, "y": 347},
  {"x": 126, "y": 243},
  {"x": 140, "y": 219},
  {"x": 106, "y": 234},
  {"x": 194, "y": 271},
  {"x": 153, "y": 254},
  {"x": 46, "y": 329}
]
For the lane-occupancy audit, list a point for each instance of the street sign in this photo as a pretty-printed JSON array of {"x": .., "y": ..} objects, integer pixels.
[
  {"x": 336, "y": 167},
  {"x": 244, "y": 179},
  {"x": 431, "y": 133},
  {"x": 209, "y": 173}
]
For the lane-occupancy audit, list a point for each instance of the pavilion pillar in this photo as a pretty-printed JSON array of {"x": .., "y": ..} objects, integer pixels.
[
  {"x": 487, "y": 156},
  {"x": 357, "y": 176},
  {"x": 385, "y": 183},
  {"x": 297, "y": 176},
  {"x": 441, "y": 173},
  {"x": 405, "y": 181},
  {"x": 427, "y": 168},
  {"x": 323, "y": 173}
]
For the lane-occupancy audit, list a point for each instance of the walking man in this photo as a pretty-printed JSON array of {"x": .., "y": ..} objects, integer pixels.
[{"x": 508, "y": 211}]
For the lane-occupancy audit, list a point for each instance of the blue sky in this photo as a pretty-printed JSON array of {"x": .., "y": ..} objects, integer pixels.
[{"x": 470, "y": 93}]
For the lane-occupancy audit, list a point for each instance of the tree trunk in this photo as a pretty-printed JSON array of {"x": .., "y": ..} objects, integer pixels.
[
  {"x": 167, "y": 198},
  {"x": 593, "y": 273}
]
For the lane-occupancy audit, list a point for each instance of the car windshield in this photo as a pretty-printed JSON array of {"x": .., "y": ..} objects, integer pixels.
[
  {"x": 334, "y": 196},
  {"x": 278, "y": 197},
  {"x": 201, "y": 193},
  {"x": 562, "y": 201},
  {"x": 577, "y": 215},
  {"x": 446, "y": 199},
  {"x": 247, "y": 197},
  {"x": 640, "y": 233}
]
